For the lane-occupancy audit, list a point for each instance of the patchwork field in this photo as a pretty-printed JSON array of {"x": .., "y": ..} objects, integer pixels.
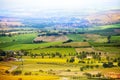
[
  {"x": 96, "y": 38},
  {"x": 76, "y": 37},
  {"x": 112, "y": 50},
  {"x": 86, "y": 50},
  {"x": 51, "y": 38},
  {"x": 54, "y": 59},
  {"x": 77, "y": 44}
]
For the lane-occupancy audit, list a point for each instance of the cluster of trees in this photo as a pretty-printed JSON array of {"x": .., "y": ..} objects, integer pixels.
[
  {"x": 49, "y": 34},
  {"x": 37, "y": 41},
  {"x": 108, "y": 65},
  {"x": 68, "y": 41},
  {"x": 94, "y": 55},
  {"x": 71, "y": 60},
  {"x": 89, "y": 75},
  {"x": 88, "y": 67},
  {"x": 51, "y": 55},
  {"x": 16, "y": 72}
]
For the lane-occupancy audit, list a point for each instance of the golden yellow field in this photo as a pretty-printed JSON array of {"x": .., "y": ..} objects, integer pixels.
[{"x": 5, "y": 77}]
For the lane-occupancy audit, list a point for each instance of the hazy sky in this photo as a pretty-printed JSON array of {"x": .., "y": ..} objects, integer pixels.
[{"x": 34, "y": 6}]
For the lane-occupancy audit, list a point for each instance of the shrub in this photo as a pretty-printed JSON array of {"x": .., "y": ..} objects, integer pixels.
[
  {"x": 105, "y": 65},
  {"x": 81, "y": 62},
  {"x": 119, "y": 64},
  {"x": 81, "y": 68},
  {"x": 72, "y": 59},
  {"x": 87, "y": 66},
  {"x": 68, "y": 70},
  {"x": 1, "y": 59},
  {"x": 98, "y": 75},
  {"x": 88, "y": 75},
  {"x": 108, "y": 65},
  {"x": 19, "y": 78},
  {"x": 41, "y": 71},
  {"x": 91, "y": 66},
  {"x": 27, "y": 73},
  {"x": 96, "y": 66},
  {"x": 17, "y": 72},
  {"x": 7, "y": 72}
]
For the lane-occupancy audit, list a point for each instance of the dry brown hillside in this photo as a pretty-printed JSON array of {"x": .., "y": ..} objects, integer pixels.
[
  {"x": 7, "y": 23},
  {"x": 107, "y": 17}
]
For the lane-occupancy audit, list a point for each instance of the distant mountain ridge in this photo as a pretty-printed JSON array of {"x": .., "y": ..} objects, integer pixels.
[{"x": 94, "y": 19}]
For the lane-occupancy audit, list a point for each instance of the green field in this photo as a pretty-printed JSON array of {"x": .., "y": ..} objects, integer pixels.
[
  {"x": 30, "y": 46},
  {"x": 75, "y": 37},
  {"x": 16, "y": 39},
  {"x": 22, "y": 41},
  {"x": 115, "y": 39},
  {"x": 20, "y": 38},
  {"x": 107, "y": 27}
]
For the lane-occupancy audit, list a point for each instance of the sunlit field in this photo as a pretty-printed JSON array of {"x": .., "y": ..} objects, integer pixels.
[{"x": 59, "y": 40}]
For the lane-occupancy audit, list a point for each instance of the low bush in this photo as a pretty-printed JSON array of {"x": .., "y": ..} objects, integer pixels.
[
  {"x": 27, "y": 73},
  {"x": 16, "y": 72}
]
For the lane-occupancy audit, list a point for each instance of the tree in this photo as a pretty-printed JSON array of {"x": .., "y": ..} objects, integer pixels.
[
  {"x": 82, "y": 55},
  {"x": 53, "y": 55},
  {"x": 119, "y": 63},
  {"x": 115, "y": 60},
  {"x": 42, "y": 56},
  {"x": 88, "y": 75},
  {"x": 105, "y": 65},
  {"x": 17, "y": 72},
  {"x": 87, "y": 66},
  {"x": 81, "y": 68},
  {"x": 1, "y": 58},
  {"x": 72, "y": 59},
  {"x": 98, "y": 75},
  {"x": 2, "y": 53},
  {"x": 108, "y": 38},
  {"x": 110, "y": 64},
  {"x": 108, "y": 58},
  {"x": 96, "y": 66}
]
